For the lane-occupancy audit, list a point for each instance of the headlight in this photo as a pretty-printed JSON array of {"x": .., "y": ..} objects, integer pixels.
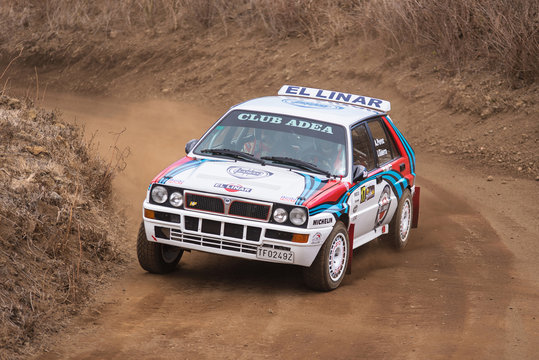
[
  {"x": 298, "y": 216},
  {"x": 280, "y": 215},
  {"x": 176, "y": 199},
  {"x": 159, "y": 194}
]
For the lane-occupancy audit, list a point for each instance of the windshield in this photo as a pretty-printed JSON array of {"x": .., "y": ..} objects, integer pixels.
[{"x": 279, "y": 140}]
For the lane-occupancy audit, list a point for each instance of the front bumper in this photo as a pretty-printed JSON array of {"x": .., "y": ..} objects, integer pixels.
[{"x": 229, "y": 236}]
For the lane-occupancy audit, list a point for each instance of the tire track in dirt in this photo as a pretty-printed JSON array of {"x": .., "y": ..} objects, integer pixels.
[{"x": 447, "y": 295}]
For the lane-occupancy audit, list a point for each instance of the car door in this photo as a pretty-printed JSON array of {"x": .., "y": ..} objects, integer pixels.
[
  {"x": 363, "y": 202},
  {"x": 386, "y": 173}
]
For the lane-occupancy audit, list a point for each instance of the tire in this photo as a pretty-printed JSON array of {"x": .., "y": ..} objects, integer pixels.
[
  {"x": 329, "y": 267},
  {"x": 400, "y": 225},
  {"x": 155, "y": 257}
]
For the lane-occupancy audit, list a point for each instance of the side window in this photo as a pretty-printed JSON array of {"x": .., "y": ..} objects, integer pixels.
[
  {"x": 383, "y": 144},
  {"x": 363, "y": 154}
]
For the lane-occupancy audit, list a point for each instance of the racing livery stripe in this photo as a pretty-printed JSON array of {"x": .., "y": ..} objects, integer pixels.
[
  {"x": 397, "y": 180},
  {"x": 178, "y": 169},
  {"x": 312, "y": 184},
  {"x": 341, "y": 205},
  {"x": 407, "y": 147}
]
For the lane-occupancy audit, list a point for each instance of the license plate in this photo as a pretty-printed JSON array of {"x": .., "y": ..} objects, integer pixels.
[{"x": 275, "y": 255}]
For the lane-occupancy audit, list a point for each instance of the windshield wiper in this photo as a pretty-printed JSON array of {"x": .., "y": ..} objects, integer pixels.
[
  {"x": 297, "y": 163},
  {"x": 234, "y": 154}
]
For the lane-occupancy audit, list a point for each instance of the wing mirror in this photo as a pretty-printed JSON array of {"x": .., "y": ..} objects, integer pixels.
[
  {"x": 190, "y": 145},
  {"x": 359, "y": 173}
]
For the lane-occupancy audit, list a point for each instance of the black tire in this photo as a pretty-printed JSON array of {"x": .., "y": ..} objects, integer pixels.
[
  {"x": 155, "y": 257},
  {"x": 400, "y": 225},
  {"x": 329, "y": 267}
]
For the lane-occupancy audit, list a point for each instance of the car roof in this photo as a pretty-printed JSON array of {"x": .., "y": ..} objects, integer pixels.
[
  {"x": 325, "y": 105},
  {"x": 322, "y": 110}
]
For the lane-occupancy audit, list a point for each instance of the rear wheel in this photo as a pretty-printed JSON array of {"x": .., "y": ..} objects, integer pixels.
[
  {"x": 399, "y": 228},
  {"x": 155, "y": 257},
  {"x": 327, "y": 271}
]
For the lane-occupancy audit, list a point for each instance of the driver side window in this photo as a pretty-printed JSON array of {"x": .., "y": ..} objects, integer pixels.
[{"x": 363, "y": 154}]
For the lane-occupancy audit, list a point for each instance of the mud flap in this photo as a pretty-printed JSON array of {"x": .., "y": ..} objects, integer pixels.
[
  {"x": 415, "y": 210},
  {"x": 350, "y": 248}
]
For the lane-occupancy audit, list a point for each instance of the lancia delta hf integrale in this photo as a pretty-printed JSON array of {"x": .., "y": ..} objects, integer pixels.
[{"x": 300, "y": 178}]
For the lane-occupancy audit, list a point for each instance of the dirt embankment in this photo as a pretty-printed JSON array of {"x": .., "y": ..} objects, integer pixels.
[{"x": 59, "y": 233}]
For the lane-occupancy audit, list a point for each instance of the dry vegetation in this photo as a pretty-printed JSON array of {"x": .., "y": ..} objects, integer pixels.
[
  {"x": 502, "y": 35},
  {"x": 57, "y": 227}
]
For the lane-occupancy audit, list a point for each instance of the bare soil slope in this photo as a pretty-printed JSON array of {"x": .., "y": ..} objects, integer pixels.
[{"x": 58, "y": 228}]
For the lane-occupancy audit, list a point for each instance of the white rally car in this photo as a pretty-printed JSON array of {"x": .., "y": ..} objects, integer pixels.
[{"x": 299, "y": 178}]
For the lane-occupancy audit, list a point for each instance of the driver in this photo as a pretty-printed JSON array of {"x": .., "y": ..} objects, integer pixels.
[
  {"x": 261, "y": 146},
  {"x": 330, "y": 157}
]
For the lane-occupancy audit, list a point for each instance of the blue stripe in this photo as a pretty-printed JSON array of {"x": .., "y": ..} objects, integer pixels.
[
  {"x": 311, "y": 185},
  {"x": 340, "y": 206},
  {"x": 399, "y": 182},
  {"x": 179, "y": 169},
  {"x": 407, "y": 146}
]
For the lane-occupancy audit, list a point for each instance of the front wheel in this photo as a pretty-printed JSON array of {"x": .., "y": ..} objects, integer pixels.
[
  {"x": 327, "y": 271},
  {"x": 399, "y": 228},
  {"x": 155, "y": 257}
]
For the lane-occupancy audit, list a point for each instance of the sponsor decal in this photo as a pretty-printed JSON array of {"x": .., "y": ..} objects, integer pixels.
[
  {"x": 232, "y": 187},
  {"x": 312, "y": 104},
  {"x": 381, "y": 152},
  {"x": 335, "y": 96},
  {"x": 311, "y": 125},
  {"x": 317, "y": 238},
  {"x": 322, "y": 221},
  {"x": 383, "y": 205},
  {"x": 379, "y": 142},
  {"x": 193, "y": 203},
  {"x": 289, "y": 198},
  {"x": 247, "y": 173},
  {"x": 174, "y": 181},
  {"x": 355, "y": 208},
  {"x": 367, "y": 193}
]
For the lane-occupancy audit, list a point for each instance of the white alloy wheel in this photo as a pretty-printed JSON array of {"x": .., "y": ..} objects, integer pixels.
[
  {"x": 406, "y": 220},
  {"x": 329, "y": 267},
  {"x": 337, "y": 259}
]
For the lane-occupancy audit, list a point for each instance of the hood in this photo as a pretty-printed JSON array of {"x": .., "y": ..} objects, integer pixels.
[{"x": 246, "y": 180}]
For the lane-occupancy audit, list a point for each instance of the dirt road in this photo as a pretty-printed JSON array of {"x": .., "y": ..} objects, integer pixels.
[{"x": 467, "y": 286}]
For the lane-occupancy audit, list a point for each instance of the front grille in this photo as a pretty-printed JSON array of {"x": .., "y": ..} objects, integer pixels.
[
  {"x": 212, "y": 242},
  {"x": 234, "y": 230},
  {"x": 213, "y": 227},
  {"x": 204, "y": 203},
  {"x": 191, "y": 223},
  {"x": 250, "y": 210},
  {"x": 218, "y": 204}
]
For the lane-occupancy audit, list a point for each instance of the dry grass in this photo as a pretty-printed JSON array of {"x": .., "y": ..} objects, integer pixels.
[
  {"x": 503, "y": 33},
  {"x": 57, "y": 227}
]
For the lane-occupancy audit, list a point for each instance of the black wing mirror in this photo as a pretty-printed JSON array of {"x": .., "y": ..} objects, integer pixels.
[
  {"x": 359, "y": 173},
  {"x": 190, "y": 145}
]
